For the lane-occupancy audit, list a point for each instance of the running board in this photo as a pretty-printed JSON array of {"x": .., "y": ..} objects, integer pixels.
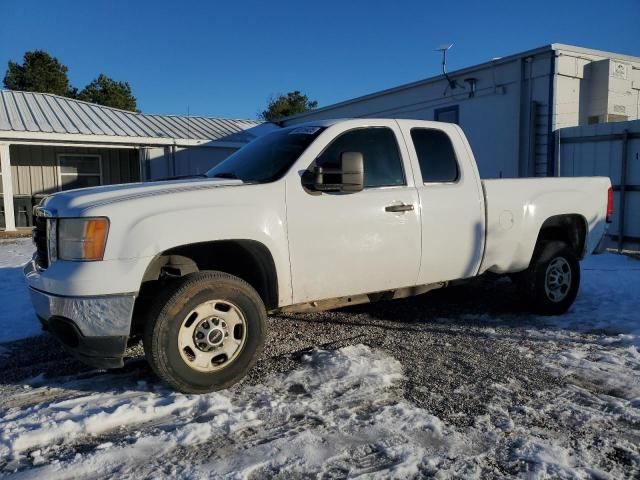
[{"x": 331, "y": 303}]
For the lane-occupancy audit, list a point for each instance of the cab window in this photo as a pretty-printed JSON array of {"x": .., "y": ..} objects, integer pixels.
[
  {"x": 436, "y": 156},
  {"x": 381, "y": 155}
]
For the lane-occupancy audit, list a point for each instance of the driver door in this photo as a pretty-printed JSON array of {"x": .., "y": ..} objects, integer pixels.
[{"x": 344, "y": 244}]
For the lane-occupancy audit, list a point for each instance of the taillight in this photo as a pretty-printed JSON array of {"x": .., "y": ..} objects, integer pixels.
[{"x": 610, "y": 205}]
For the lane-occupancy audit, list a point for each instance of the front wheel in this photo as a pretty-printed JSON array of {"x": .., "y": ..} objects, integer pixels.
[
  {"x": 552, "y": 280},
  {"x": 205, "y": 332}
]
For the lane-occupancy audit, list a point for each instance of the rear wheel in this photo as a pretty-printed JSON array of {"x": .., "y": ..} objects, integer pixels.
[
  {"x": 205, "y": 332},
  {"x": 552, "y": 280}
]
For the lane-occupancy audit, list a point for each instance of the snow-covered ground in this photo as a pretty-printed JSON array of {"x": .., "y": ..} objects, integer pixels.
[
  {"x": 16, "y": 314},
  {"x": 344, "y": 412}
]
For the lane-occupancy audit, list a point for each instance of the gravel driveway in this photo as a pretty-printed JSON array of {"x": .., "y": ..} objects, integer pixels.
[
  {"x": 450, "y": 363},
  {"x": 520, "y": 394},
  {"x": 470, "y": 357}
]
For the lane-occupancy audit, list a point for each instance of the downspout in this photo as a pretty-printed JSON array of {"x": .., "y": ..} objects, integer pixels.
[
  {"x": 531, "y": 154},
  {"x": 531, "y": 134},
  {"x": 623, "y": 188},
  {"x": 142, "y": 162},
  {"x": 558, "y": 146},
  {"x": 173, "y": 159},
  {"x": 521, "y": 158},
  {"x": 551, "y": 143}
]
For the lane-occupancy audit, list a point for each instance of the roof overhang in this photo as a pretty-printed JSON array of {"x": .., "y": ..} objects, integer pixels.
[{"x": 106, "y": 140}]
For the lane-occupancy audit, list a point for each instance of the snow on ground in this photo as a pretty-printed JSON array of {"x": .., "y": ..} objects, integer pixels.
[
  {"x": 350, "y": 414},
  {"x": 17, "y": 319},
  {"x": 337, "y": 415},
  {"x": 599, "y": 337},
  {"x": 320, "y": 417},
  {"x": 343, "y": 412},
  {"x": 609, "y": 298}
]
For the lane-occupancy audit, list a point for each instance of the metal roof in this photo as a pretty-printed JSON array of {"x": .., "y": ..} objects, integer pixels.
[{"x": 48, "y": 113}]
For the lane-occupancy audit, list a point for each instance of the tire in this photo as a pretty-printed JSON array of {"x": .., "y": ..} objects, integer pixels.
[
  {"x": 551, "y": 282},
  {"x": 204, "y": 332}
]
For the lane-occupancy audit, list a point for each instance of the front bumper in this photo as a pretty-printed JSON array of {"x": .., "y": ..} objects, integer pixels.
[{"x": 95, "y": 329}]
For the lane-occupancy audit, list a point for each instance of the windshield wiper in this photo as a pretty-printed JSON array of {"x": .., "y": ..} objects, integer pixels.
[
  {"x": 233, "y": 176},
  {"x": 181, "y": 177},
  {"x": 230, "y": 175}
]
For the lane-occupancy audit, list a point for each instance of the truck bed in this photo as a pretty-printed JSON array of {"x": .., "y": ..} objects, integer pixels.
[{"x": 516, "y": 209}]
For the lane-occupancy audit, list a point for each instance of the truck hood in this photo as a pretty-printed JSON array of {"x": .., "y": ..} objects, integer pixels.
[{"x": 75, "y": 202}]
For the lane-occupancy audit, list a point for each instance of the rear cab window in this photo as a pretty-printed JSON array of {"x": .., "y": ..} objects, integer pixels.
[{"x": 436, "y": 155}]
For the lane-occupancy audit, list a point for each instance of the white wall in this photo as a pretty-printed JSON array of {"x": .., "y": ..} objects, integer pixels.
[
  {"x": 510, "y": 121},
  {"x": 156, "y": 163},
  {"x": 492, "y": 119},
  {"x": 576, "y": 94}
]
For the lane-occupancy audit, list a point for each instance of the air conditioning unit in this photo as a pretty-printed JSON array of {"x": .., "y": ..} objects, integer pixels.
[{"x": 610, "y": 92}]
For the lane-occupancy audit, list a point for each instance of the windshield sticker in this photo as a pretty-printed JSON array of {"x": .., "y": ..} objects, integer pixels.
[{"x": 304, "y": 131}]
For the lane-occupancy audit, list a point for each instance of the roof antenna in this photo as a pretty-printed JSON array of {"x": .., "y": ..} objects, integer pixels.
[{"x": 452, "y": 84}]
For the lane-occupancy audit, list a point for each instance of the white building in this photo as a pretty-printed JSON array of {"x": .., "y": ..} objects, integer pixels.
[{"x": 511, "y": 107}]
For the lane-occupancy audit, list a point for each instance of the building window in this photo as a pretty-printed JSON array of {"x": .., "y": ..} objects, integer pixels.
[
  {"x": 436, "y": 156},
  {"x": 447, "y": 114},
  {"x": 79, "y": 171}
]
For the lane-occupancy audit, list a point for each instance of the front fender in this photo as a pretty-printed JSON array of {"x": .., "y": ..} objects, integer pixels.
[{"x": 143, "y": 228}]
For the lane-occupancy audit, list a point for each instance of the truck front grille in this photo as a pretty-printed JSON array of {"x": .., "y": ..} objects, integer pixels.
[{"x": 40, "y": 239}]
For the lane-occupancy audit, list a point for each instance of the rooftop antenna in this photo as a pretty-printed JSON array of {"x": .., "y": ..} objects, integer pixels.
[{"x": 452, "y": 84}]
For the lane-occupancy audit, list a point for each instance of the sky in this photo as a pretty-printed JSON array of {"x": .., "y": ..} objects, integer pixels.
[{"x": 226, "y": 59}]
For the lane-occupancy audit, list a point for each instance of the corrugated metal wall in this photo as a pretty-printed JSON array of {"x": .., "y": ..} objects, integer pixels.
[
  {"x": 34, "y": 167},
  {"x": 600, "y": 150}
]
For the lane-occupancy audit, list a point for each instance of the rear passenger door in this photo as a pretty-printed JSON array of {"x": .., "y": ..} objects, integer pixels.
[{"x": 451, "y": 200}]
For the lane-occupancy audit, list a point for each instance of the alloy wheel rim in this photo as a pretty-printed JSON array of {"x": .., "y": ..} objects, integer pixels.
[{"x": 212, "y": 335}]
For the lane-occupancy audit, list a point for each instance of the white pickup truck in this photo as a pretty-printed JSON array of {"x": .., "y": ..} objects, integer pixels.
[{"x": 310, "y": 217}]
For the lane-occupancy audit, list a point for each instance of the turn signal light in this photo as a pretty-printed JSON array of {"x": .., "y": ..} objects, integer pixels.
[{"x": 82, "y": 239}]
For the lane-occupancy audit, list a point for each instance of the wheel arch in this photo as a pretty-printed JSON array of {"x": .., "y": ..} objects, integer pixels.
[
  {"x": 570, "y": 228},
  {"x": 249, "y": 260}
]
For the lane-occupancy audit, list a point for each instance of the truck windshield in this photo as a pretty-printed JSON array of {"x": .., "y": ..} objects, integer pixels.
[{"x": 267, "y": 158}]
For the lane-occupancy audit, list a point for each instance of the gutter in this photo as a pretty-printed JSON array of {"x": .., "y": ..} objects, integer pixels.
[
  {"x": 551, "y": 143},
  {"x": 26, "y": 137}
]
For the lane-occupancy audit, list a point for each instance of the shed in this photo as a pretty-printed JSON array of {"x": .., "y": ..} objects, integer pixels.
[{"x": 50, "y": 143}]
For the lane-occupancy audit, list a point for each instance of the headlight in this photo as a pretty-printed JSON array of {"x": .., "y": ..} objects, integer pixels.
[{"x": 82, "y": 238}]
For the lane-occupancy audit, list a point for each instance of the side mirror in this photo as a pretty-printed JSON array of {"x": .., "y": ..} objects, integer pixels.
[
  {"x": 349, "y": 178},
  {"x": 352, "y": 166}
]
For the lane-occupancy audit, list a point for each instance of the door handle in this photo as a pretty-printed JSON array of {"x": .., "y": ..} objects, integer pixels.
[{"x": 402, "y": 207}]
